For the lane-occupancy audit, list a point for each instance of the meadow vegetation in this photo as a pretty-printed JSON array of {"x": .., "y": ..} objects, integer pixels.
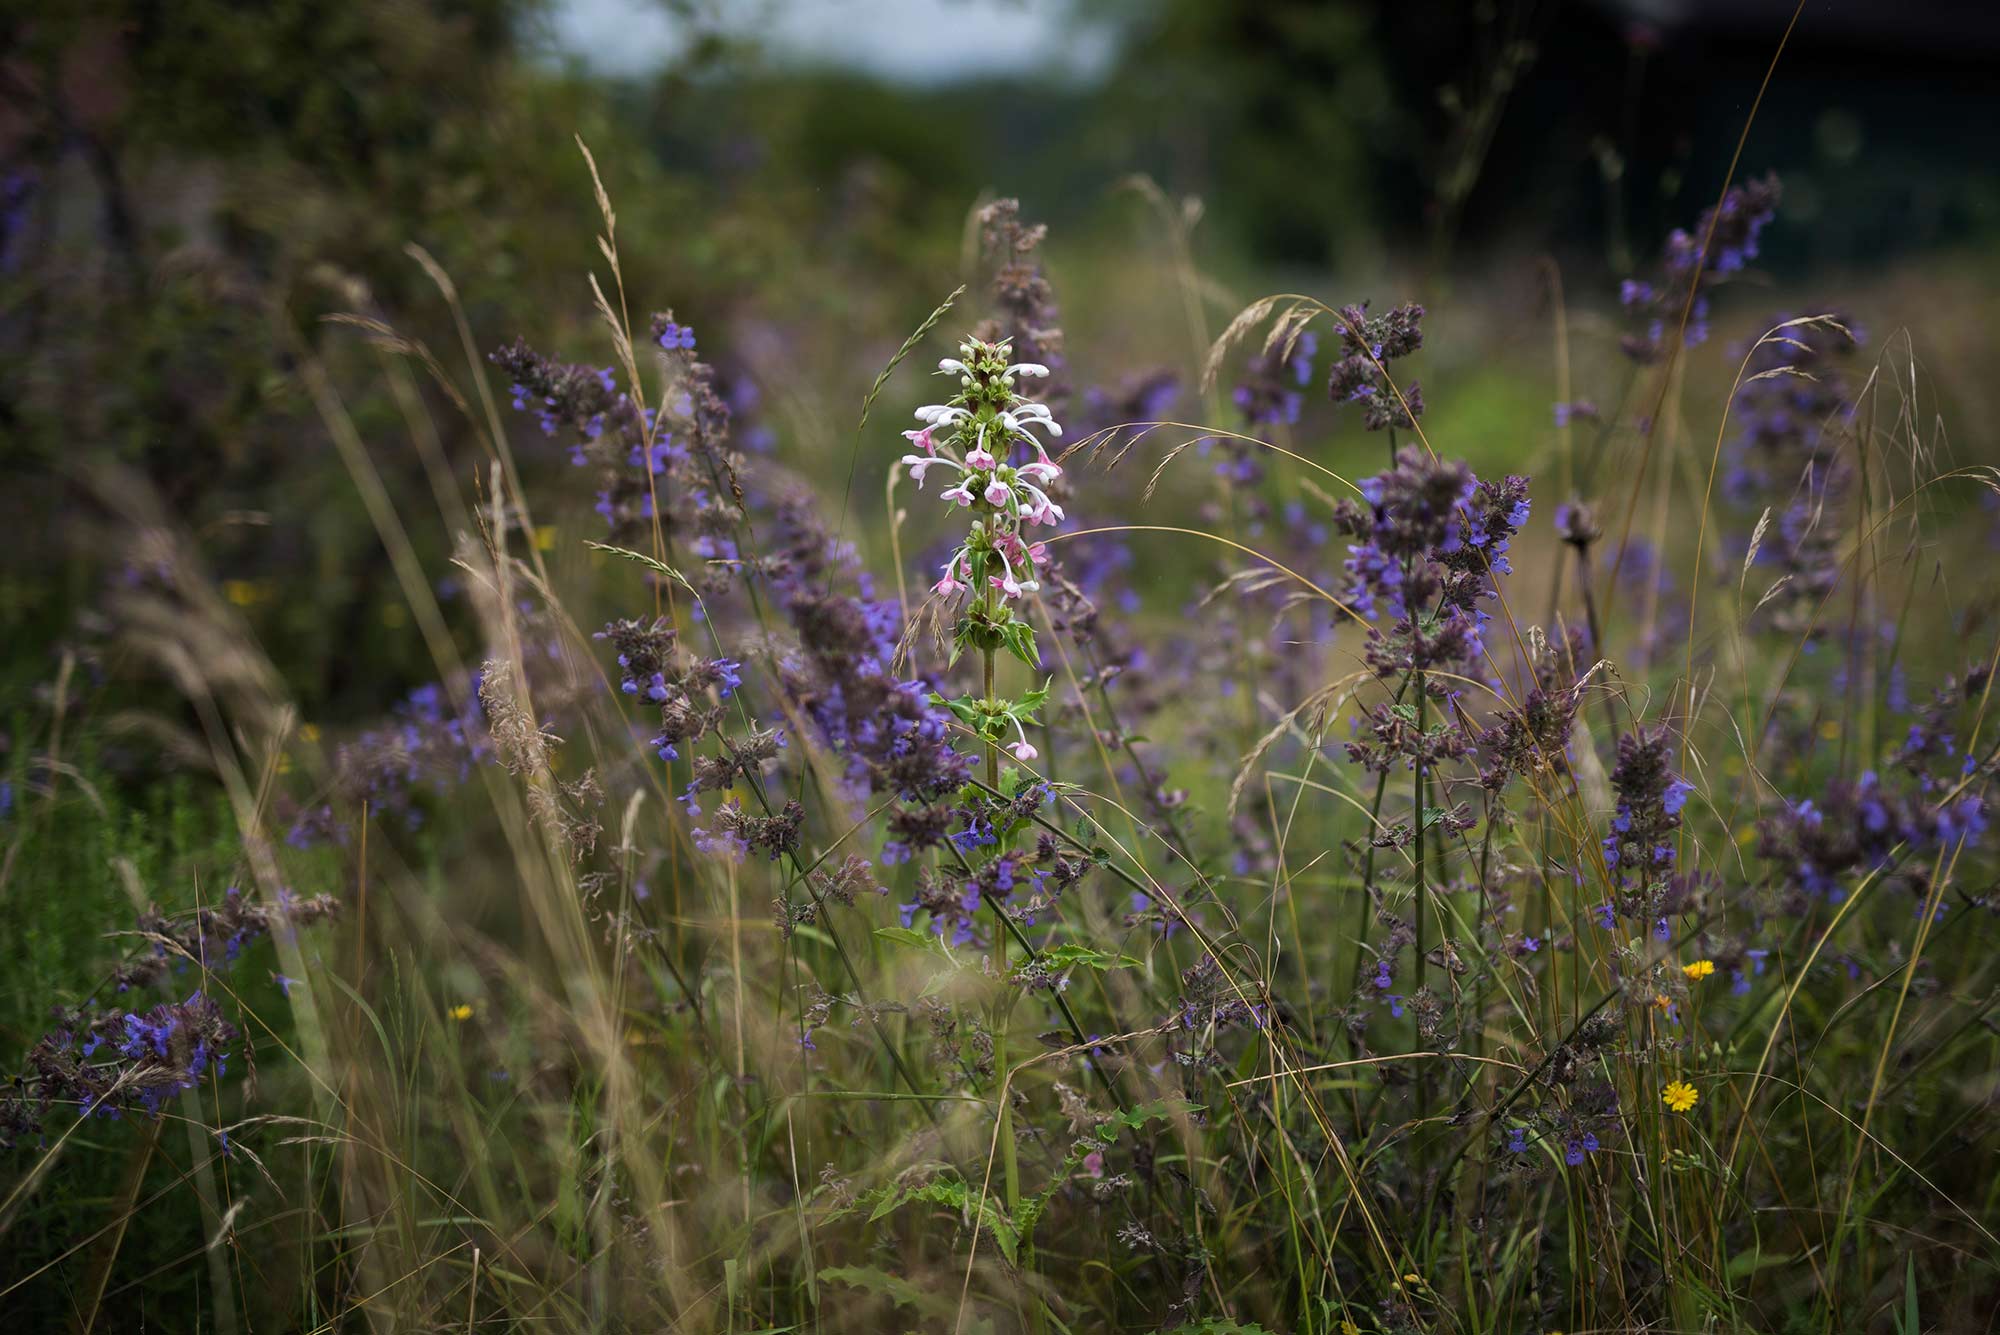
[{"x": 1117, "y": 806}]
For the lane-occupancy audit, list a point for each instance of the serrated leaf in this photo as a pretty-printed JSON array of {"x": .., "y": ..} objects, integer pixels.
[{"x": 1069, "y": 954}]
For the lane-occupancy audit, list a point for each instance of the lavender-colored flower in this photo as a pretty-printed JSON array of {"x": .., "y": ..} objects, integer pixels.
[
  {"x": 1639, "y": 851},
  {"x": 1724, "y": 240},
  {"x": 1368, "y": 344}
]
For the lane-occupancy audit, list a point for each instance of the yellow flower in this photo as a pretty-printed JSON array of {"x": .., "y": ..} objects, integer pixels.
[
  {"x": 461, "y": 1012},
  {"x": 1663, "y": 1001},
  {"x": 309, "y": 732},
  {"x": 1699, "y": 970},
  {"x": 246, "y": 592},
  {"x": 545, "y": 538},
  {"x": 1348, "y": 1327},
  {"x": 1680, "y": 1096}
]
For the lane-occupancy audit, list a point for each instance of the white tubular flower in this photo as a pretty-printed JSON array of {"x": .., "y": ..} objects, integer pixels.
[
  {"x": 1035, "y": 369},
  {"x": 919, "y": 464},
  {"x": 1024, "y": 750},
  {"x": 1024, "y": 414},
  {"x": 1041, "y": 470},
  {"x": 998, "y": 493},
  {"x": 980, "y": 458},
  {"x": 953, "y": 366}
]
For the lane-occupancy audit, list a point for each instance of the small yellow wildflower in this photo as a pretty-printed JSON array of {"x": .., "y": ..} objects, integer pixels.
[
  {"x": 1348, "y": 1327},
  {"x": 545, "y": 538},
  {"x": 309, "y": 732},
  {"x": 461, "y": 1012},
  {"x": 1679, "y": 1096},
  {"x": 1698, "y": 970},
  {"x": 1663, "y": 1001},
  {"x": 246, "y": 592},
  {"x": 1830, "y": 730}
]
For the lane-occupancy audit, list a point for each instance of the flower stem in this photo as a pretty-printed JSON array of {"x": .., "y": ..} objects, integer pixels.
[
  {"x": 1002, "y": 1010},
  {"x": 1422, "y": 908}
]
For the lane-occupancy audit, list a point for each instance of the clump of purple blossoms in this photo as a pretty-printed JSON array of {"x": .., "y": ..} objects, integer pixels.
[
  {"x": 1028, "y": 318},
  {"x": 1534, "y": 739},
  {"x": 1269, "y": 394},
  {"x": 1795, "y": 406},
  {"x": 1367, "y": 345},
  {"x": 215, "y": 936},
  {"x": 107, "y": 1063},
  {"x": 1639, "y": 852},
  {"x": 670, "y": 465},
  {"x": 429, "y": 743},
  {"x": 892, "y": 739},
  {"x": 1723, "y": 242},
  {"x": 1428, "y": 540},
  {"x": 652, "y": 668}
]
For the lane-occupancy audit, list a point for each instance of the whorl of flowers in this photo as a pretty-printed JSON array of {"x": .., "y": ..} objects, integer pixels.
[
  {"x": 1368, "y": 344},
  {"x": 107, "y": 1063},
  {"x": 670, "y": 464},
  {"x": 1639, "y": 851},
  {"x": 429, "y": 743},
  {"x": 1794, "y": 405},
  {"x": 1821, "y": 846},
  {"x": 1729, "y": 232},
  {"x": 1429, "y": 537},
  {"x": 1534, "y": 738},
  {"x": 973, "y": 435},
  {"x": 1027, "y": 300}
]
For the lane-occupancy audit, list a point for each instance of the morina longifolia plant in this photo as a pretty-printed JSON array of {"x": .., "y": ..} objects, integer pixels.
[{"x": 985, "y": 435}]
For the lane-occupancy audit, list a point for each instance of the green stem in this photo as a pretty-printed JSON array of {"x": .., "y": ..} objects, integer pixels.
[
  {"x": 1002, "y": 1010},
  {"x": 1422, "y": 905}
]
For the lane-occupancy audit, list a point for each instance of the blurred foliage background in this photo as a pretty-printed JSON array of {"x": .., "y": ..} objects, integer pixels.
[{"x": 190, "y": 188}]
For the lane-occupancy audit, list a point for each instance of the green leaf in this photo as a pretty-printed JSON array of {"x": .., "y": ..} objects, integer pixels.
[
  {"x": 906, "y": 936},
  {"x": 1064, "y": 956}
]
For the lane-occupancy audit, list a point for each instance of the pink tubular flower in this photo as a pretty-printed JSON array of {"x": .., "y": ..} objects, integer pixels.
[
  {"x": 951, "y": 584},
  {"x": 998, "y": 493},
  {"x": 921, "y": 438},
  {"x": 980, "y": 459},
  {"x": 919, "y": 464}
]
